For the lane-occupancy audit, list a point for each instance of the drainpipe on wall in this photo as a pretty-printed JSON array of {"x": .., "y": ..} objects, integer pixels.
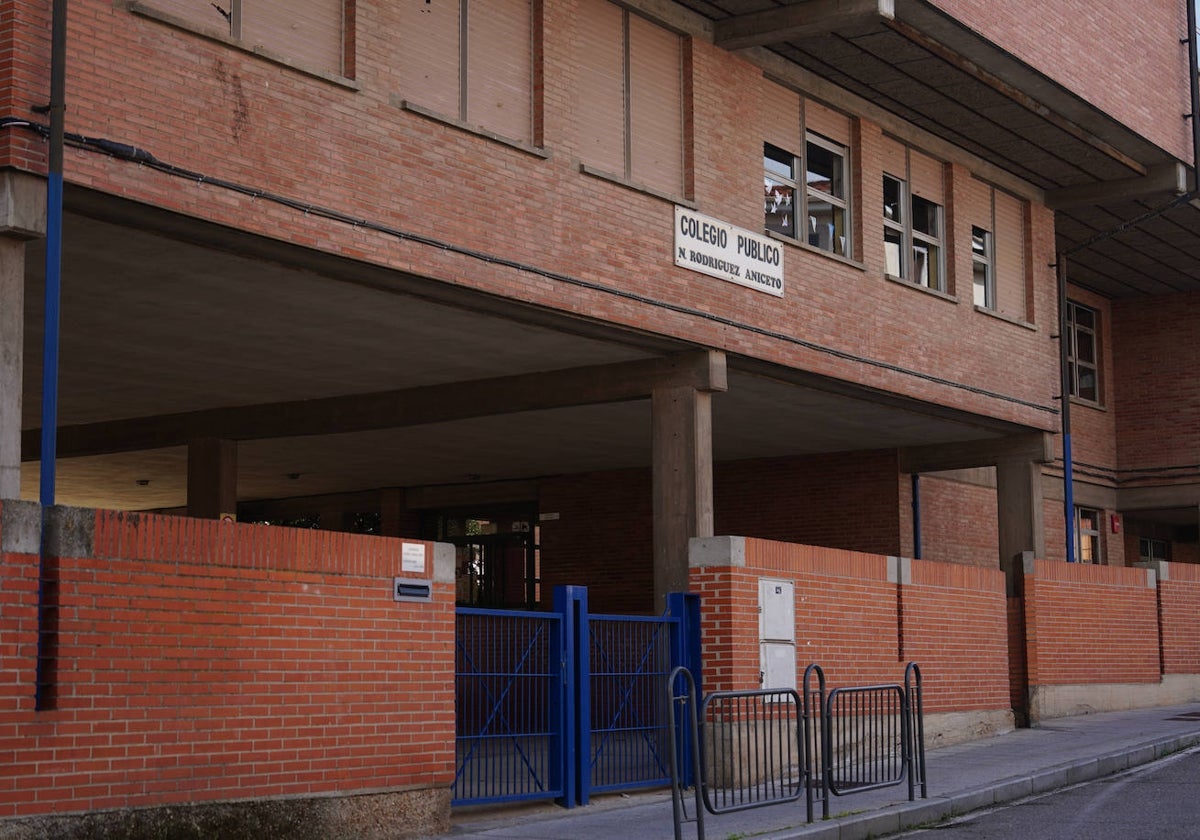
[
  {"x": 54, "y": 202},
  {"x": 916, "y": 515},
  {"x": 1061, "y": 271}
]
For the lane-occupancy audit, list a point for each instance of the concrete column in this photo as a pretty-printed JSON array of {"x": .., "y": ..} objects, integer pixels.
[
  {"x": 212, "y": 478},
  {"x": 682, "y": 478},
  {"x": 1019, "y": 512},
  {"x": 22, "y": 217}
]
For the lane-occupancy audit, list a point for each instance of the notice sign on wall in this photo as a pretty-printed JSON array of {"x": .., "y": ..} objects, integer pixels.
[{"x": 713, "y": 247}]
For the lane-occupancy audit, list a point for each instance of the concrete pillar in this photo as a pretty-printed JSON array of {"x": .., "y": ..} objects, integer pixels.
[
  {"x": 682, "y": 478},
  {"x": 1019, "y": 512},
  {"x": 22, "y": 217},
  {"x": 212, "y": 478}
]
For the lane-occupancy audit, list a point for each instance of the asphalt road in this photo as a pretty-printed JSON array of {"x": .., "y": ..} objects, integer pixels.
[{"x": 1159, "y": 801}]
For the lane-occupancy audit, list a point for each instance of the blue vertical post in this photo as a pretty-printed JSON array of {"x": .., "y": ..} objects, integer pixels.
[
  {"x": 916, "y": 515},
  {"x": 685, "y": 653},
  {"x": 570, "y": 602}
]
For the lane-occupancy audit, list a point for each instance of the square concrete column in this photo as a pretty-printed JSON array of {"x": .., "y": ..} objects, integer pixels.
[
  {"x": 212, "y": 478},
  {"x": 682, "y": 478},
  {"x": 22, "y": 217},
  {"x": 1020, "y": 516}
]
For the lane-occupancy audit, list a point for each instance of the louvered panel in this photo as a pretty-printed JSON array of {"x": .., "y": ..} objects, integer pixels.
[
  {"x": 655, "y": 106},
  {"x": 600, "y": 69},
  {"x": 1011, "y": 270},
  {"x": 426, "y": 55},
  {"x": 499, "y": 68},
  {"x": 781, "y": 117},
  {"x": 925, "y": 177},
  {"x": 307, "y": 32},
  {"x": 827, "y": 122}
]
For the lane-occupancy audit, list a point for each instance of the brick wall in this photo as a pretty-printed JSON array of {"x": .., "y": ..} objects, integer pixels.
[
  {"x": 202, "y": 661},
  {"x": 1090, "y": 624},
  {"x": 859, "y": 624},
  {"x": 954, "y": 624},
  {"x": 1179, "y": 606}
]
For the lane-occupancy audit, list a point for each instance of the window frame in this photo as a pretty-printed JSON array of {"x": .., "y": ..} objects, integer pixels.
[
  {"x": 911, "y": 238},
  {"x": 804, "y": 196},
  {"x": 1074, "y": 329},
  {"x": 983, "y": 259},
  {"x": 1092, "y": 534},
  {"x": 1147, "y": 545}
]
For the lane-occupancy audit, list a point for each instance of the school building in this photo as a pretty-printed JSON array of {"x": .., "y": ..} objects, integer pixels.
[{"x": 321, "y": 318}]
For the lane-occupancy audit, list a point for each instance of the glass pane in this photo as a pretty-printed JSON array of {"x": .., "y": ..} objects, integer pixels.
[
  {"x": 893, "y": 208},
  {"x": 1085, "y": 346},
  {"x": 826, "y": 226},
  {"x": 1083, "y": 316},
  {"x": 893, "y": 247},
  {"x": 1087, "y": 388},
  {"x": 926, "y": 265},
  {"x": 824, "y": 170},
  {"x": 983, "y": 285},
  {"x": 980, "y": 244},
  {"x": 779, "y": 205},
  {"x": 926, "y": 217},
  {"x": 778, "y": 162}
]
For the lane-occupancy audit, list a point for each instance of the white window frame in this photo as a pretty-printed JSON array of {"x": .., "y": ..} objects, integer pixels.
[
  {"x": 1091, "y": 534},
  {"x": 1074, "y": 330},
  {"x": 912, "y": 240},
  {"x": 804, "y": 196},
  {"x": 983, "y": 263}
]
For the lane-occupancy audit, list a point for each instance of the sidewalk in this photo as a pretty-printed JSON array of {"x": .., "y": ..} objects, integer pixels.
[{"x": 962, "y": 778}]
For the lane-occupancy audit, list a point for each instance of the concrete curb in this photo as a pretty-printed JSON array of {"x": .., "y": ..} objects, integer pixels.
[{"x": 893, "y": 819}]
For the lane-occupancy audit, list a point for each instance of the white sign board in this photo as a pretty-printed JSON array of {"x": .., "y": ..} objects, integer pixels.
[
  {"x": 412, "y": 558},
  {"x": 712, "y": 247}
]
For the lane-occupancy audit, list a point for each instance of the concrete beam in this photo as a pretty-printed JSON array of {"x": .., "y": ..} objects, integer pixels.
[
  {"x": 595, "y": 384},
  {"x": 22, "y": 205},
  {"x": 1167, "y": 179},
  {"x": 1035, "y": 447},
  {"x": 813, "y": 17}
]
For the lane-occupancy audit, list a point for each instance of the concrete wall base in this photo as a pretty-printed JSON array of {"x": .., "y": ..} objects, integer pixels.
[
  {"x": 1053, "y": 701},
  {"x": 948, "y": 728},
  {"x": 375, "y": 816}
]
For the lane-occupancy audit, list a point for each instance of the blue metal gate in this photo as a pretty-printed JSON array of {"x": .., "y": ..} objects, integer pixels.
[{"x": 564, "y": 704}]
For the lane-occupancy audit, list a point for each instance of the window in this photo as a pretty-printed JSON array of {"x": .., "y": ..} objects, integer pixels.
[
  {"x": 1000, "y": 276},
  {"x": 312, "y": 33},
  {"x": 470, "y": 62},
  {"x": 1152, "y": 549},
  {"x": 821, "y": 202},
  {"x": 982, "y": 261},
  {"x": 630, "y": 81},
  {"x": 1083, "y": 352},
  {"x": 1087, "y": 535},
  {"x": 913, "y": 216}
]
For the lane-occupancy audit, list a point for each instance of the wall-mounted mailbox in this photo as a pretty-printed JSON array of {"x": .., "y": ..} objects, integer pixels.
[{"x": 412, "y": 589}]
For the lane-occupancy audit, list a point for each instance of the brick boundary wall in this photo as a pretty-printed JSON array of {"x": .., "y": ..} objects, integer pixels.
[
  {"x": 1178, "y": 609},
  {"x": 1090, "y": 624},
  {"x": 267, "y": 672}
]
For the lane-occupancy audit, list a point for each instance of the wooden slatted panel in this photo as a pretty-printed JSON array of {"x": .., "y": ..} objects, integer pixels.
[
  {"x": 307, "y": 32},
  {"x": 894, "y": 158},
  {"x": 925, "y": 177},
  {"x": 500, "y": 68},
  {"x": 655, "y": 106},
  {"x": 781, "y": 118},
  {"x": 826, "y": 122},
  {"x": 600, "y": 68},
  {"x": 1010, "y": 255},
  {"x": 197, "y": 13},
  {"x": 426, "y": 55}
]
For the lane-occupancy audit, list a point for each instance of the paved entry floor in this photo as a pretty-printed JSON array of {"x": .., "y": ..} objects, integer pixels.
[{"x": 962, "y": 778}]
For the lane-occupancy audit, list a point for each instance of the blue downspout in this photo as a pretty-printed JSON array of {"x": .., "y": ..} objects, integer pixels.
[
  {"x": 1065, "y": 416},
  {"x": 49, "y": 447}
]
